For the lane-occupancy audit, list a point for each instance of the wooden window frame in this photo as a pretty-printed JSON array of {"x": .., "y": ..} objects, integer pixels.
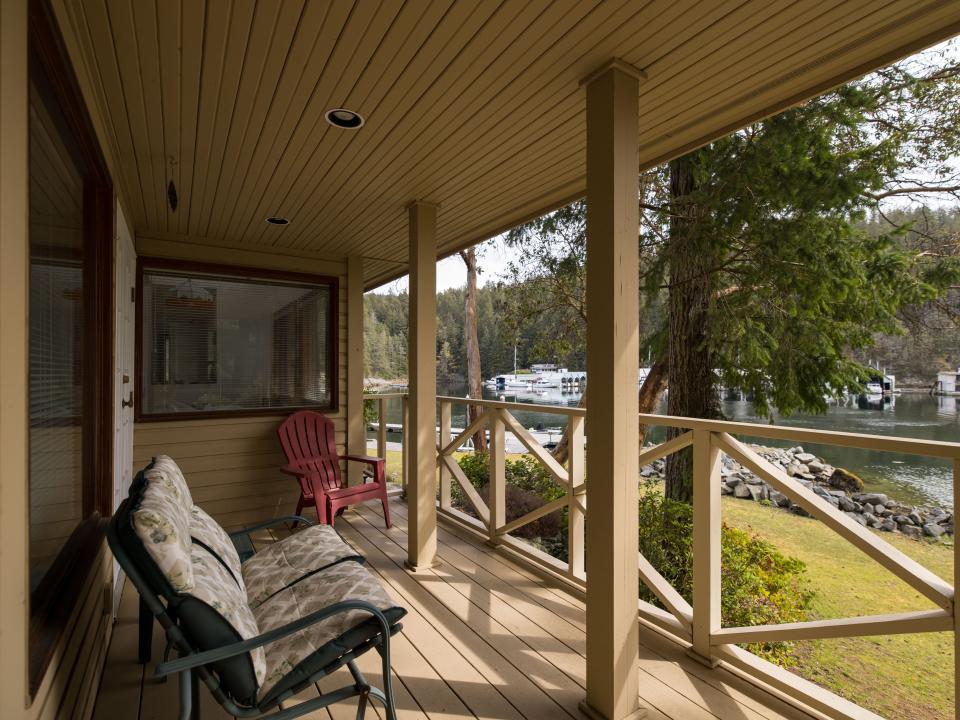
[
  {"x": 56, "y": 597},
  {"x": 238, "y": 272}
]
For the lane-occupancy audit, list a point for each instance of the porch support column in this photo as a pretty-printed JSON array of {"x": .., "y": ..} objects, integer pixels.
[
  {"x": 612, "y": 371},
  {"x": 422, "y": 379},
  {"x": 356, "y": 428}
]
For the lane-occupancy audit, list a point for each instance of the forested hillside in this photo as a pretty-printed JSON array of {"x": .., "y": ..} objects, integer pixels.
[{"x": 931, "y": 340}]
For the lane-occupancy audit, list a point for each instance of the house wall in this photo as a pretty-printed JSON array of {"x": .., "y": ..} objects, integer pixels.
[
  {"x": 68, "y": 688},
  {"x": 232, "y": 464}
]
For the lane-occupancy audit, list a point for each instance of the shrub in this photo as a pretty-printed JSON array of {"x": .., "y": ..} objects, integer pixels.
[
  {"x": 759, "y": 584},
  {"x": 524, "y": 473},
  {"x": 528, "y": 486}
]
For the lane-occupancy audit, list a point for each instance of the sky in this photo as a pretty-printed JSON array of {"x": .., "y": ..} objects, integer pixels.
[{"x": 493, "y": 256}]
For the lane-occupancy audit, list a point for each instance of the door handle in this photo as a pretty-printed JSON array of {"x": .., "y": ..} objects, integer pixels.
[{"x": 128, "y": 402}]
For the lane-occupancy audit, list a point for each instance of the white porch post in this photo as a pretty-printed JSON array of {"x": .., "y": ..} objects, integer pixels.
[
  {"x": 612, "y": 371},
  {"x": 422, "y": 379},
  {"x": 356, "y": 428}
]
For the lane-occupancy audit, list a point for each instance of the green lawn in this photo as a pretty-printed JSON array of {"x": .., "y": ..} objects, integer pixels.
[
  {"x": 909, "y": 677},
  {"x": 903, "y": 676}
]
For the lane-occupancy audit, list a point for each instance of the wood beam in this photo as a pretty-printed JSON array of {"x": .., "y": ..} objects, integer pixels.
[
  {"x": 422, "y": 378},
  {"x": 612, "y": 420},
  {"x": 356, "y": 428},
  {"x": 14, "y": 353}
]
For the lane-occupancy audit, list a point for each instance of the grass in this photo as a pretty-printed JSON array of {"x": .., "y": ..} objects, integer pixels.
[{"x": 905, "y": 676}]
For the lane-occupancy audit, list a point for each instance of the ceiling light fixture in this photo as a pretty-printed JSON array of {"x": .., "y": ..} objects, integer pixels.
[
  {"x": 343, "y": 118},
  {"x": 278, "y": 221}
]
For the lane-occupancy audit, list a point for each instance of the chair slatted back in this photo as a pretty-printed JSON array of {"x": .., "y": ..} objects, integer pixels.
[{"x": 308, "y": 438}]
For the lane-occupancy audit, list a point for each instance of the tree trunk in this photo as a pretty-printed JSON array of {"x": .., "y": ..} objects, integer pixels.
[
  {"x": 472, "y": 345},
  {"x": 690, "y": 373}
]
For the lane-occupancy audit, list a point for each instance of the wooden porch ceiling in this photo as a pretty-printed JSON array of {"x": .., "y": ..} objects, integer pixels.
[{"x": 474, "y": 105}]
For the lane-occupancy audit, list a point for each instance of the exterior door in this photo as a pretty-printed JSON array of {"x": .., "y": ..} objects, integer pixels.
[{"x": 124, "y": 334}]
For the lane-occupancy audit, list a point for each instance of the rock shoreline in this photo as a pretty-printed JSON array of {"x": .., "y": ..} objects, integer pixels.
[{"x": 840, "y": 488}]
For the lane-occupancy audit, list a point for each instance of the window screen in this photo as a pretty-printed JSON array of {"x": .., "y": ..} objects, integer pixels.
[{"x": 218, "y": 342}]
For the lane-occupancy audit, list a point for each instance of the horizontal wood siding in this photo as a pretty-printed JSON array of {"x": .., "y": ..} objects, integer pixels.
[
  {"x": 233, "y": 464},
  {"x": 70, "y": 685}
]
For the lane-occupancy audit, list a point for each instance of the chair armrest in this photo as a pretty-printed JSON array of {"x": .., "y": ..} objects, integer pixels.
[
  {"x": 227, "y": 651},
  {"x": 271, "y": 523},
  {"x": 365, "y": 459}
]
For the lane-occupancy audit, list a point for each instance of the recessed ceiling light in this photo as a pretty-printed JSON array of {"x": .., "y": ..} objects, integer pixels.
[
  {"x": 278, "y": 221},
  {"x": 343, "y": 118}
]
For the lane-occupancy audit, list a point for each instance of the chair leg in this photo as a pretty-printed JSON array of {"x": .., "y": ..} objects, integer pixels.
[
  {"x": 386, "y": 511},
  {"x": 321, "y": 503},
  {"x": 145, "y": 639}
]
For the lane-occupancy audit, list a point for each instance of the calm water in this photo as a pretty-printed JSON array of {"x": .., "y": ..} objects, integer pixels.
[{"x": 906, "y": 477}]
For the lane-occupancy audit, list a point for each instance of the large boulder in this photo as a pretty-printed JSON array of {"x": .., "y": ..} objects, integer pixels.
[
  {"x": 911, "y": 531},
  {"x": 805, "y": 457},
  {"x": 847, "y": 505},
  {"x": 742, "y": 491},
  {"x": 846, "y": 480},
  {"x": 873, "y": 499},
  {"x": 933, "y": 530}
]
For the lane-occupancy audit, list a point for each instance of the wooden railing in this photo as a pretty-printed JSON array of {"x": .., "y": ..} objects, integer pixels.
[
  {"x": 496, "y": 419},
  {"x": 380, "y": 400},
  {"x": 698, "y": 623}
]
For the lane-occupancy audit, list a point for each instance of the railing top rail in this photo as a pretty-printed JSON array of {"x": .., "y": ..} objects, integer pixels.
[
  {"x": 885, "y": 443},
  {"x": 383, "y": 396},
  {"x": 862, "y": 441},
  {"x": 552, "y": 409}
]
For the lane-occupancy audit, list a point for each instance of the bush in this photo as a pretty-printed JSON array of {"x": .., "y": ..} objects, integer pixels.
[
  {"x": 759, "y": 585},
  {"x": 524, "y": 473},
  {"x": 529, "y": 486}
]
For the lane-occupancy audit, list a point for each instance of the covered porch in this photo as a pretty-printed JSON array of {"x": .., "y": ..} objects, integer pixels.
[
  {"x": 486, "y": 637},
  {"x": 211, "y": 155}
]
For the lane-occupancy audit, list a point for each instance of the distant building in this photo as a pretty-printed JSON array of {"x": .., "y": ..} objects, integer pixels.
[
  {"x": 544, "y": 367},
  {"x": 948, "y": 383}
]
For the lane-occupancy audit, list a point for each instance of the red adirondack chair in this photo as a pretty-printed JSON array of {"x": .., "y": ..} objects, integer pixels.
[{"x": 309, "y": 442}]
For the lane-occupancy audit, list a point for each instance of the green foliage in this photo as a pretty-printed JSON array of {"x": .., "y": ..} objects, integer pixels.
[
  {"x": 760, "y": 586},
  {"x": 528, "y": 486},
  {"x": 523, "y": 472}
]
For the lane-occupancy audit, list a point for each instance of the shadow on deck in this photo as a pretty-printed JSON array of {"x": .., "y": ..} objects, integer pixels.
[{"x": 484, "y": 638}]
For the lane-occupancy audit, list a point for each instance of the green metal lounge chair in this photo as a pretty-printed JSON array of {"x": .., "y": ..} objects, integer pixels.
[{"x": 254, "y": 632}]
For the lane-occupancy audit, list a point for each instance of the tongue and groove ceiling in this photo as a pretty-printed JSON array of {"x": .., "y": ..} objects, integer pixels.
[{"x": 473, "y": 105}]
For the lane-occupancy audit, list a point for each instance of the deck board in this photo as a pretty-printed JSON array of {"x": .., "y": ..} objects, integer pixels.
[{"x": 485, "y": 638}]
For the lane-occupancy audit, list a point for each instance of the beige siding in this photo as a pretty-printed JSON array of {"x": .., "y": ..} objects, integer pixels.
[
  {"x": 233, "y": 464},
  {"x": 70, "y": 685}
]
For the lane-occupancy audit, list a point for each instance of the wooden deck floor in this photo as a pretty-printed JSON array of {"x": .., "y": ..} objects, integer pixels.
[{"x": 484, "y": 638}]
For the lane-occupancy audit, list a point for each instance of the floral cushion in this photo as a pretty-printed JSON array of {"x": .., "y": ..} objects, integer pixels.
[
  {"x": 204, "y": 529},
  {"x": 343, "y": 581},
  {"x": 161, "y": 520},
  {"x": 277, "y": 566},
  {"x": 166, "y": 469},
  {"x": 214, "y": 586}
]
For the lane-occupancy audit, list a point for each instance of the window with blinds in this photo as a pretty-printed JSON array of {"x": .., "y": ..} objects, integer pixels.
[
  {"x": 57, "y": 307},
  {"x": 218, "y": 341}
]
